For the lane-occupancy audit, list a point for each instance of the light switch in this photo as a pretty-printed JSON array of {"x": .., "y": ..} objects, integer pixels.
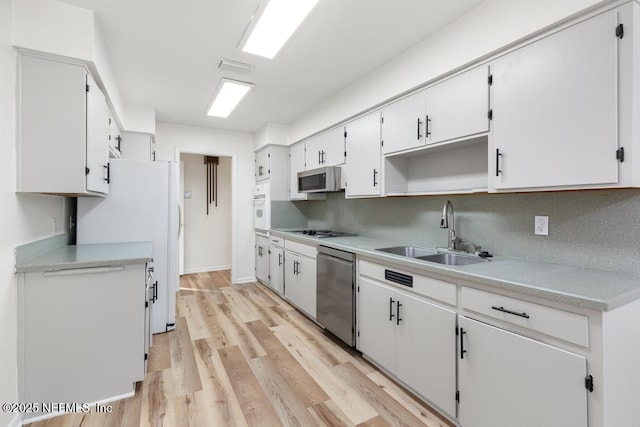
[{"x": 541, "y": 226}]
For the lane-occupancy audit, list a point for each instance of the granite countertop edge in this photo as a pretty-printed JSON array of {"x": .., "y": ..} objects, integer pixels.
[
  {"x": 555, "y": 282},
  {"x": 87, "y": 256}
]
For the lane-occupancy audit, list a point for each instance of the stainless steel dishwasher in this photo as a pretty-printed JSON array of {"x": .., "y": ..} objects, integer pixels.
[{"x": 336, "y": 300}]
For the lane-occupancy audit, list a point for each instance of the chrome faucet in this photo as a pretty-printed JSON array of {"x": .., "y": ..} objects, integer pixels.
[{"x": 447, "y": 222}]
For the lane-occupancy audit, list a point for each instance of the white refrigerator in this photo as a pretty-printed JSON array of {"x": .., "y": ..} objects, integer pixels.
[{"x": 142, "y": 205}]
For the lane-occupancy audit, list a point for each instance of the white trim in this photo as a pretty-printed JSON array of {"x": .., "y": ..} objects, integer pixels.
[
  {"x": 245, "y": 280},
  {"x": 206, "y": 269},
  {"x": 16, "y": 421},
  {"x": 92, "y": 405}
]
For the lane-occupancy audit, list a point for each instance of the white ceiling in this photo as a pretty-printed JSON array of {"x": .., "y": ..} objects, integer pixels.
[{"x": 164, "y": 54}]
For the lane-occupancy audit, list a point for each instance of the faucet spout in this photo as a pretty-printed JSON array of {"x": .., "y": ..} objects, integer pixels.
[{"x": 447, "y": 221}]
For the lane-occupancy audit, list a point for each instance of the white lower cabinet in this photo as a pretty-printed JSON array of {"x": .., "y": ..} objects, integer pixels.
[
  {"x": 411, "y": 338},
  {"x": 276, "y": 264},
  {"x": 262, "y": 258},
  {"x": 83, "y": 333},
  {"x": 506, "y": 379},
  {"x": 300, "y": 276}
]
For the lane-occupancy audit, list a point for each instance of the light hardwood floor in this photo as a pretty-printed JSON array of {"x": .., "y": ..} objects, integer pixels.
[{"x": 241, "y": 356}]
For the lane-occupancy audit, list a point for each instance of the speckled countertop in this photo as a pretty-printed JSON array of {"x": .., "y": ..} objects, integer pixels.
[
  {"x": 84, "y": 256},
  {"x": 582, "y": 287}
]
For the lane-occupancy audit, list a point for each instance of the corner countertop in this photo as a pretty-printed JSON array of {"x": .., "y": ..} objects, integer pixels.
[
  {"x": 85, "y": 256},
  {"x": 582, "y": 287}
]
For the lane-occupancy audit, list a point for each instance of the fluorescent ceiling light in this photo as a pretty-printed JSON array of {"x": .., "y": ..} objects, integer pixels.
[
  {"x": 276, "y": 24},
  {"x": 227, "y": 96}
]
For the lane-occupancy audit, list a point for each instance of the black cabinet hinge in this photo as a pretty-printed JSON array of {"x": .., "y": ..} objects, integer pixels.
[
  {"x": 345, "y": 133},
  {"x": 620, "y": 31},
  {"x": 588, "y": 383},
  {"x": 345, "y": 153},
  {"x": 146, "y": 304},
  {"x": 382, "y": 119},
  {"x": 620, "y": 154},
  {"x": 87, "y": 171},
  {"x": 490, "y": 114},
  {"x": 458, "y": 396},
  {"x": 490, "y": 79},
  {"x": 146, "y": 356},
  {"x": 109, "y": 120}
]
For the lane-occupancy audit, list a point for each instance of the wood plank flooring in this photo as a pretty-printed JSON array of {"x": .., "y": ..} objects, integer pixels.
[{"x": 242, "y": 356}]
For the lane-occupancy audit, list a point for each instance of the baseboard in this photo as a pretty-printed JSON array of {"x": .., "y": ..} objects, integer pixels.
[
  {"x": 242, "y": 280},
  {"x": 16, "y": 421},
  {"x": 93, "y": 405},
  {"x": 206, "y": 269}
]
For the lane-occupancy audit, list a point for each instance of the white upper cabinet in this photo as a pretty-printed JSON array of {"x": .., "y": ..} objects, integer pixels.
[
  {"x": 455, "y": 108},
  {"x": 458, "y": 107},
  {"x": 362, "y": 169},
  {"x": 263, "y": 167},
  {"x": 403, "y": 124},
  {"x": 98, "y": 118},
  {"x": 555, "y": 110},
  {"x": 63, "y": 130},
  {"x": 326, "y": 149}
]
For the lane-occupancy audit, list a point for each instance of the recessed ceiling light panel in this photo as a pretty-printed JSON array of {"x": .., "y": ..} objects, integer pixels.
[
  {"x": 227, "y": 96},
  {"x": 278, "y": 21}
]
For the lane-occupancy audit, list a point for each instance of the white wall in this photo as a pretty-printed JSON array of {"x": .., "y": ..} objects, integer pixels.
[
  {"x": 491, "y": 26},
  {"x": 207, "y": 238},
  {"x": 239, "y": 146},
  {"x": 24, "y": 217}
]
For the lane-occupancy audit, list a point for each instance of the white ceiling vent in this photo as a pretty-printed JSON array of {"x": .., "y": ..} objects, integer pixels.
[{"x": 235, "y": 66}]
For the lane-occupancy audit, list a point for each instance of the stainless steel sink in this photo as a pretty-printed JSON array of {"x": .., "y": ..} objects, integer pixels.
[
  {"x": 452, "y": 259},
  {"x": 408, "y": 251}
]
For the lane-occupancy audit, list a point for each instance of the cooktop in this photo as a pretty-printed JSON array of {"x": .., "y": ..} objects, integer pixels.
[{"x": 324, "y": 233}]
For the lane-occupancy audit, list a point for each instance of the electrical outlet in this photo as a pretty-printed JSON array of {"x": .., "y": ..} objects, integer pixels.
[{"x": 541, "y": 226}]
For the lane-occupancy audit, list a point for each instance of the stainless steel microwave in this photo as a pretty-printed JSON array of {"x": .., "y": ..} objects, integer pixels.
[{"x": 321, "y": 180}]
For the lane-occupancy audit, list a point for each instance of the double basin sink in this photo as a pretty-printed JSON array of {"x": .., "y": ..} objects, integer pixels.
[{"x": 433, "y": 255}]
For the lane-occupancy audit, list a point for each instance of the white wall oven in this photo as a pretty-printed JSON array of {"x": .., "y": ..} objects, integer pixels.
[{"x": 262, "y": 207}]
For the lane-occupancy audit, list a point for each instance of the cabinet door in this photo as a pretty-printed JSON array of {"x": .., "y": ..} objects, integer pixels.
[
  {"x": 555, "y": 110},
  {"x": 426, "y": 344},
  {"x": 99, "y": 174},
  {"x": 506, "y": 380},
  {"x": 333, "y": 147},
  {"x": 362, "y": 168},
  {"x": 403, "y": 124},
  {"x": 296, "y": 164},
  {"x": 276, "y": 269},
  {"x": 314, "y": 150},
  {"x": 262, "y": 259},
  {"x": 458, "y": 107},
  {"x": 262, "y": 164},
  {"x": 300, "y": 279},
  {"x": 377, "y": 322}
]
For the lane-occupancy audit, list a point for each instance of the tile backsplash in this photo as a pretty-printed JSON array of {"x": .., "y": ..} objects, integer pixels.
[{"x": 594, "y": 229}]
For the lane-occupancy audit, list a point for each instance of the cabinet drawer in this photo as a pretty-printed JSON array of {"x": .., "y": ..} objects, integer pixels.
[
  {"x": 301, "y": 248},
  {"x": 423, "y": 285},
  {"x": 276, "y": 241},
  {"x": 557, "y": 323}
]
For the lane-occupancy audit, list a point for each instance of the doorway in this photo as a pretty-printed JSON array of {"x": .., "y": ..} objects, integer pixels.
[{"x": 206, "y": 205}]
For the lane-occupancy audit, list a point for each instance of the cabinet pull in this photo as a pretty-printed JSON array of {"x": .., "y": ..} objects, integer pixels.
[
  {"x": 323, "y": 158},
  {"x": 462, "y": 350},
  {"x": 391, "y": 315},
  {"x": 419, "y": 123},
  {"x": 398, "y": 318},
  {"x": 279, "y": 260},
  {"x": 375, "y": 173},
  {"x": 108, "y": 168},
  {"x": 319, "y": 158},
  {"x": 498, "y": 154},
  {"x": 504, "y": 310},
  {"x": 155, "y": 291},
  {"x": 426, "y": 125}
]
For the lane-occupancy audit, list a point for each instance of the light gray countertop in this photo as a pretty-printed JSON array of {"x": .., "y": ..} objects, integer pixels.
[
  {"x": 582, "y": 287},
  {"x": 84, "y": 256}
]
